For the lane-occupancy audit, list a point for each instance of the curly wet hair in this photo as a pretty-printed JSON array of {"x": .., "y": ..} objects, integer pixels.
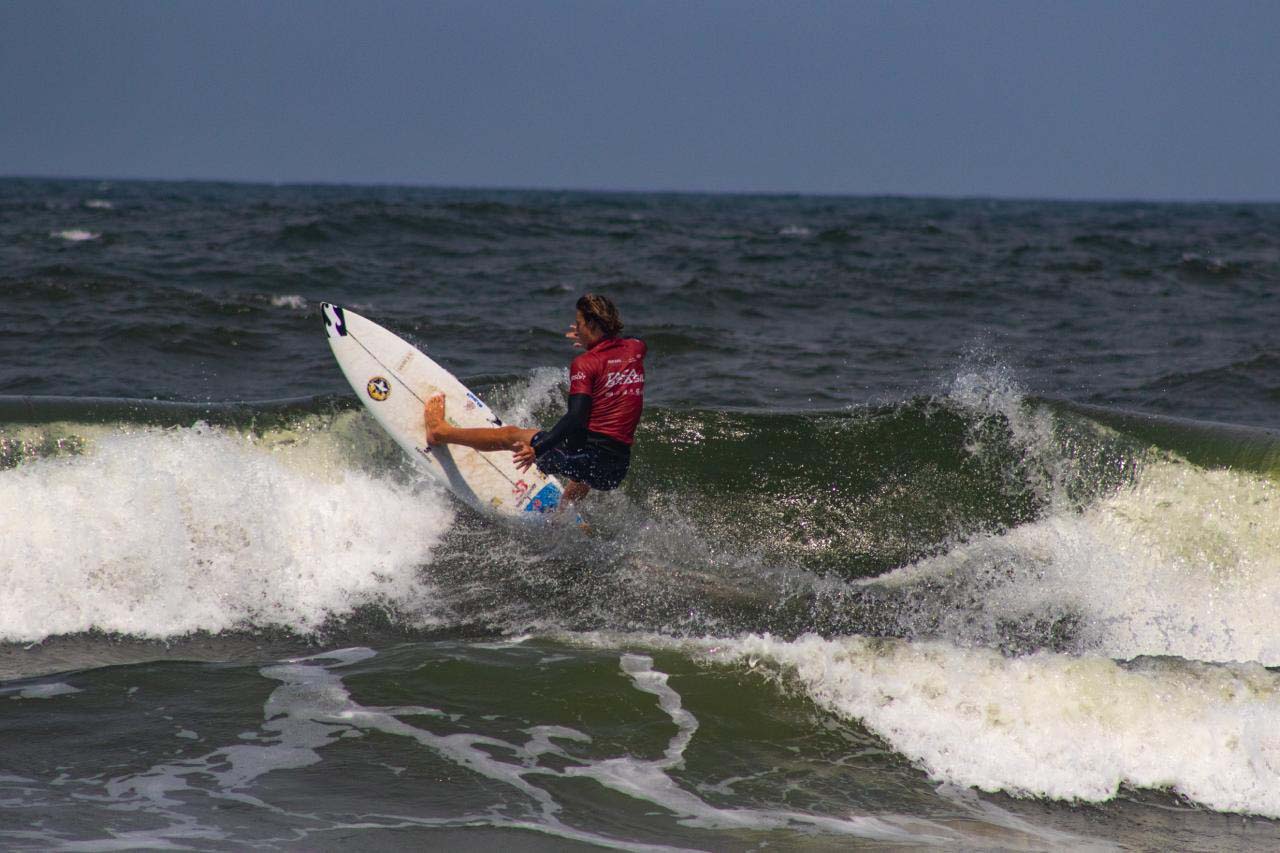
[{"x": 600, "y": 312}]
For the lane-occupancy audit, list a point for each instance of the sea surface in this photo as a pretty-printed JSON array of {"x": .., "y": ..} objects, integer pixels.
[{"x": 952, "y": 523}]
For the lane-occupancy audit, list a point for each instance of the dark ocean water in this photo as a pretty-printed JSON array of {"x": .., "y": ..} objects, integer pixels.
[{"x": 951, "y": 523}]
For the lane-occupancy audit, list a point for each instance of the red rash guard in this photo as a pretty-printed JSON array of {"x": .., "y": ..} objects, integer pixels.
[{"x": 612, "y": 372}]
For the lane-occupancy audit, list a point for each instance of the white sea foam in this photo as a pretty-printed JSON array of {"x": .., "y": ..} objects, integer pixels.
[
  {"x": 289, "y": 301},
  {"x": 159, "y": 533},
  {"x": 994, "y": 390},
  {"x": 1050, "y": 725},
  {"x": 98, "y": 204},
  {"x": 75, "y": 235},
  {"x": 544, "y": 387},
  {"x": 795, "y": 231}
]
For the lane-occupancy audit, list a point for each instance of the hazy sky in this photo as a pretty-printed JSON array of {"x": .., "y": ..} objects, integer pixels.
[{"x": 1109, "y": 99}]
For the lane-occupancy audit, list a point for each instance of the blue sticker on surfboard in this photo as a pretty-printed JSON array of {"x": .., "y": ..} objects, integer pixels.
[{"x": 547, "y": 499}]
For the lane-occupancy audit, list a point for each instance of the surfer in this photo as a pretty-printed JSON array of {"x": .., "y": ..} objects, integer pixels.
[{"x": 591, "y": 444}]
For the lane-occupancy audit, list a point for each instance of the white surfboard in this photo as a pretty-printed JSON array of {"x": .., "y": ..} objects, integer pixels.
[{"x": 394, "y": 380}]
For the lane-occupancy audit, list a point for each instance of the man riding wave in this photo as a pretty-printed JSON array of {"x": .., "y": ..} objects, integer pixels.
[{"x": 591, "y": 444}]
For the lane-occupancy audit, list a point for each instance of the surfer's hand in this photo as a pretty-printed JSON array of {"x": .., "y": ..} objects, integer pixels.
[
  {"x": 523, "y": 455},
  {"x": 572, "y": 335}
]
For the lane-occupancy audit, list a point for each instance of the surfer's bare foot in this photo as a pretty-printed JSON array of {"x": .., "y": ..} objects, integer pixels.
[{"x": 433, "y": 414}]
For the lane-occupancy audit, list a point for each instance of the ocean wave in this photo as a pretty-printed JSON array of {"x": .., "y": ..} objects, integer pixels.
[
  {"x": 558, "y": 779},
  {"x": 838, "y": 236},
  {"x": 1212, "y": 267},
  {"x": 1181, "y": 563},
  {"x": 364, "y": 221},
  {"x": 981, "y": 516},
  {"x": 200, "y": 529},
  {"x": 1047, "y": 725},
  {"x": 1120, "y": 604},
  {"x": 1115, "y": 243}
]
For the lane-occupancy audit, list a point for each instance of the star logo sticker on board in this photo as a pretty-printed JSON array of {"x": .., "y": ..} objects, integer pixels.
[{"x": 379, "y": 388}]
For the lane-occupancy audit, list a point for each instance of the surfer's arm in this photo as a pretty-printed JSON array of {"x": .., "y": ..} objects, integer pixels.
[{"x": 574, "y": 421}]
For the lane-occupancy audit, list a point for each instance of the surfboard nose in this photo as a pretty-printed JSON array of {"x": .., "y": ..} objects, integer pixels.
[{"x": 335, "y": 324}]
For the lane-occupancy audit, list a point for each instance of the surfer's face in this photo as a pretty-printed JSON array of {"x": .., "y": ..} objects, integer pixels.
[{"x": 587, "y": 333}]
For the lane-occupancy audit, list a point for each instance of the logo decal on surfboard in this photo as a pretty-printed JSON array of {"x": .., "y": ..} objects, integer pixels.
[
  {"x": 545, "y": 500},
  {"x": 379, "y": 388},
  {"x": 334, "y": 321}
]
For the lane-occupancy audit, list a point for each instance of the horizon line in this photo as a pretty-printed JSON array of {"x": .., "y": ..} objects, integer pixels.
[{"x": 496, "y": 188}]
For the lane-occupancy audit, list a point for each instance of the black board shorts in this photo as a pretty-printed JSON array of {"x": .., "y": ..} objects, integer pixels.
[{"x": 600, "y": 462}]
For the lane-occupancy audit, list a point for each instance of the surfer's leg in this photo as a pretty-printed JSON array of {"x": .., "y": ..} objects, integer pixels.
[{"x": 440, "y": 431}]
